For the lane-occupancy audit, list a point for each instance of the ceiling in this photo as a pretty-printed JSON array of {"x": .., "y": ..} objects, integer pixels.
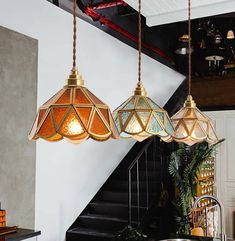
[
  {"x": 162, "y": 25},
  {"x": 120, "y": 20},
  {"x": 170, "y": 11}
]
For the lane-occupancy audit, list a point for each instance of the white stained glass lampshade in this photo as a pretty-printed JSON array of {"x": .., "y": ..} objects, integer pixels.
[{"x": 192, "y": 126}]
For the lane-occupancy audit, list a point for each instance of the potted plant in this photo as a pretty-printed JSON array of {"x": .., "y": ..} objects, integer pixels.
[
  {"x": 185, "y": 164},
  {"x": 130, "y": 234}
]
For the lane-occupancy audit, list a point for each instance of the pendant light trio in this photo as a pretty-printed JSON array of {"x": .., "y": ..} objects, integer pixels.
[{"x": 75, "y": 114}]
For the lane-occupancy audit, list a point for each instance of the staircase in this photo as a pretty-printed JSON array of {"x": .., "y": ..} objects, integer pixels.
[
  {"x": 126, "y": 197},
  {"x": 131, "y": 193}
]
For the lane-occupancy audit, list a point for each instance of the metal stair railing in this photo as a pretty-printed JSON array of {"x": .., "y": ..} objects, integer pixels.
[{"x": 138, "y": 171}]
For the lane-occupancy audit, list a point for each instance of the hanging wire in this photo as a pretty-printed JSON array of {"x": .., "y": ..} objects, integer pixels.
[
  {"x": 189, "y": 49},
  {"x": 139, "y": 42},
  {"x": 74, "y": 32}
]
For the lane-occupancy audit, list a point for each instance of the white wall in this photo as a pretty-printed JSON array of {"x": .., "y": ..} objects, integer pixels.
[
  {"x": 225, "y": 165},
  {"x": 68, "y": 176}
]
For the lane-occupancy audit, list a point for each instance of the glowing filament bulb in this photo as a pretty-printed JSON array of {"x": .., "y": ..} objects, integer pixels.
[
  {"x": 134, "y": 126},
  {"x": 75, "y": 127}
]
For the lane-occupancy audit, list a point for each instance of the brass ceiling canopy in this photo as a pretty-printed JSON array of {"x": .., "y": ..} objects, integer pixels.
[
  {"x": 139, "y": 117},
  {"x": 184, "y": 38},
  {"x": 74, "y": 113},
  {"x": 191, "y": 125}
]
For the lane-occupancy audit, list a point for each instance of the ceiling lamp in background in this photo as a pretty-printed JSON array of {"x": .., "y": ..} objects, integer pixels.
[
  {"x": 182, "y": 46},
  {"x": 230, "y": 34},
  {"x": 184, "y": 38},
  {"x": 218, "y": 38},
  {"x": 191, "y": 125},
  {"x": 74, "y": 113},
  {"x": 139, "y": 117}
]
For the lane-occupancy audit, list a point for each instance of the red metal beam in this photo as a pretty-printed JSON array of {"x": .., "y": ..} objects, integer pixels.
[
  {"x": 107, "y": 4},
  {"x": 89, "y": 10}
]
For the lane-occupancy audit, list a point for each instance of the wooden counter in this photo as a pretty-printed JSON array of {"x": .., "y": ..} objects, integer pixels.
[{"x": 20, "y": 234}]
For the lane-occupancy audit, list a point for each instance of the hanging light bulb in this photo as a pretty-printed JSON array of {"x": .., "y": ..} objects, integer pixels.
[
  {"x": 182, "y": 46},
  {"x": 191, "y": 125},
  {"x": 230, "y": 34},
  {"x": 74, "y": 113},
  {"x": 140, "y": 117}
]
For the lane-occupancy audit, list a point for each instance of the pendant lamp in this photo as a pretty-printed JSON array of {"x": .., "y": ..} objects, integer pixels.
[
  {"x": 191, "y": 125},
  {"x": 182, "y": 46},
  {"x": 139, "y": 117},
  {"x": 230, "y": 34},
  {"x": 74, "y": 113}
]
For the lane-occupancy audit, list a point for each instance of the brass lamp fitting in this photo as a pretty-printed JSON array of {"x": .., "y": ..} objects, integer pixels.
[
  {"x": 75, "y": 79},
  {"x": 190, "y": 102},
  {"x": 140, "y": 90}
]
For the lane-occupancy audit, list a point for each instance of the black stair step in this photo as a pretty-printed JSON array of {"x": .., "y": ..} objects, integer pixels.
[
  {"x": 87, "y": 234},
  {"x": 122, "y": 197},
  {"x": 91, "y": 232},
  {"x": 142, "y": 165},
  {"x": 114, "y": 209},
  {"x": 123, "y": 175},
  {"x": 122, "y": 185},
  {"x": 102, "y": 222}
]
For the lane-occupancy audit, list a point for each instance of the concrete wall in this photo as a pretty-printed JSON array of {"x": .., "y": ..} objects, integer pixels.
[
  {"x": 67, "y": 175},
  {"x": 18, "y": 98}
]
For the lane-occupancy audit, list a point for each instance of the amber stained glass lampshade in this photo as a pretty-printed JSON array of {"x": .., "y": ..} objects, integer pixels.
[
  {"x": 192, "y": 126},
  {"x": 140, "y": 117},
  {"x": 75, "y": 114}
]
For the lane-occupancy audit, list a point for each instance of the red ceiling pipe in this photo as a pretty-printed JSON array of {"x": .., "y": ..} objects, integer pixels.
[
  {"x": 89, "y": 10},
  {"x": 107, "y": 5}
]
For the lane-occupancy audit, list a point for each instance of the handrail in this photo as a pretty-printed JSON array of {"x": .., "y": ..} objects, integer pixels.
[
  {"x": 140, "y": 163},
  {"x": 140, "y": 153}
]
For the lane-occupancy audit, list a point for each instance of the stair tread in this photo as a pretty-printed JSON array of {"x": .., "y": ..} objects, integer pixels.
[
  {"x": 125, "y": 171},
  {"x": 108, "y": 204},
  {"x": 114, "y": 204},
  {"x": 121, "y": 192},
  {"x": 141, "y": 181},
  {"x": 100, "y": 216},
  {"x": 133, "y": 181},
  {"x": 92, "y": 232}
]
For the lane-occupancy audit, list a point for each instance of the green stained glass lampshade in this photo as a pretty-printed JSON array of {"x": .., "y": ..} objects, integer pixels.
[{"x": 140, "y": 118}]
